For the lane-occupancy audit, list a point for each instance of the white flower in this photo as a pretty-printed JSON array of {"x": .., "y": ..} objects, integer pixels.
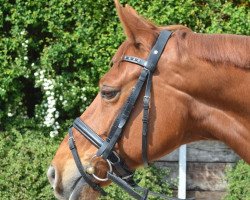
[
  {"x": 22, "y": 32},
  {"x": 9, "y": 114},
  {"x": 85, "y": 99},
  {"x": 45, "y": 84},
  {"x": 60, "y": 97},
  {"x": 53, "y": 133},
  {"x": 52, "y": 102},
  {"x": 57, "y": 115},
  {"x": 51, "y": 110},
  {"x": 49, "y": 121},
  {"x": 25, "y": 58},
  {"x": 32, "y": 65},
  {"x": 41, "y": 76},
  {"x": 36, "y": 73},
  {"x": 49, "y": 98},
  {"x": 50, "y": 105},
  {"x": 50, "y": 115},
  {"x": 26, "y": 41},
  {"x": 51, "y": 87}
]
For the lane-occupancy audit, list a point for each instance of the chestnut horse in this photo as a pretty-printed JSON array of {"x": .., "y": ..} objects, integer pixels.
[{"x": 200, "y": 91}]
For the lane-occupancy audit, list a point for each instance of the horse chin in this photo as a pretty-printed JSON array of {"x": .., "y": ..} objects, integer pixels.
[
  {"x": 83, "y": 192},
  {"x": 88, "y": 194}
]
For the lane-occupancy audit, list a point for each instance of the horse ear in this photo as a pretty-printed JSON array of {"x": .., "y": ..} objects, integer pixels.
[{"x": 136, "y": 28}]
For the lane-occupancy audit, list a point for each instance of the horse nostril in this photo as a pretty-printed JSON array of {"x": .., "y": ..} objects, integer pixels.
[{"x": 51, "y": 175}]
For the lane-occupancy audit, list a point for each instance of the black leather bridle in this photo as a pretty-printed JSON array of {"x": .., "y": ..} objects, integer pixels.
[{"x": 119, "y": 173}]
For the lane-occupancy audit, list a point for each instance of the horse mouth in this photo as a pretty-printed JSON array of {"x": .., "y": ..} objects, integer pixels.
[{"x": 82, "y": 191}]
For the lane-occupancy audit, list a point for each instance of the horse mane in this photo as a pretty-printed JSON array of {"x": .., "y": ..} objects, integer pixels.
[{"x": 225, "y": 49}]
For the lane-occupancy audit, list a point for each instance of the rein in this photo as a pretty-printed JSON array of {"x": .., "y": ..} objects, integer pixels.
[{"x": 119, "y": 172}]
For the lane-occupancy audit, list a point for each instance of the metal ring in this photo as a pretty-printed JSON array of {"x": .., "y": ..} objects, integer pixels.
[{"x": 110, "y": 170}]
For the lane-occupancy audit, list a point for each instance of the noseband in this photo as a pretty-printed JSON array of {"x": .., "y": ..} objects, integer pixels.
[{"x": 119, "y": 173}]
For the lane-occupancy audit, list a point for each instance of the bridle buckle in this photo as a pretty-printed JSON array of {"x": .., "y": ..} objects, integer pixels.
[{"x": 71, "y": 142}]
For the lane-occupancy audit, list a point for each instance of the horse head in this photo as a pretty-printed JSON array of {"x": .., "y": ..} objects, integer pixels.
[{"x": 176, "y": 117}]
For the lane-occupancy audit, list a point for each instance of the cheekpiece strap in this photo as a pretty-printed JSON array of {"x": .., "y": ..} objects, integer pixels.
[
  {"x": 79, "y": 165},
  {"x": 157, "y": 50}
]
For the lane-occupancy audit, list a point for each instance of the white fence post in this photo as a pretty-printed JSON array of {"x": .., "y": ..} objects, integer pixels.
[{"x": 182, "y": 172}]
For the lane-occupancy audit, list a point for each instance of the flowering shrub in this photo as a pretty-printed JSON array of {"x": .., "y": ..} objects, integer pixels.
[{"x": 54, "y": 52}]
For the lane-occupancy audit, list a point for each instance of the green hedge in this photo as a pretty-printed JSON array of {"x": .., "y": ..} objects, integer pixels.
[
  {"x": 152, "y": 178},
  {"x": 25, "y": 158},
  {"x": 238, "y": 180}
]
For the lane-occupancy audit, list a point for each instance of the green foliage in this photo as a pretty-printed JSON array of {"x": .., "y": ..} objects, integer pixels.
[
  {"x": 239, "y": 182},
  {"x": 151, "y": 178},
  {"x": 25, "y": 157}
]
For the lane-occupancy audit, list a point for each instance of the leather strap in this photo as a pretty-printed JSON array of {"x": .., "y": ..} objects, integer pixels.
[
  {"x": 124, "y": 185},
  {"x": 79, "y": 165},
  {"x": 145, "y": 120},
  {"x": 87, "y": 132},
  {"x": 118, "y": 164},
  {"x": 116, "y": 131}
]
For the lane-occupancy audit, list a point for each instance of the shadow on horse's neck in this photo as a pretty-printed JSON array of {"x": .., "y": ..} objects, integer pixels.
[{"x": 219, "y": 89}]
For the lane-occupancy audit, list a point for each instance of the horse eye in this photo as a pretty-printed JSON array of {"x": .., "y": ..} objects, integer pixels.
[{"x": 108, "y": 94}]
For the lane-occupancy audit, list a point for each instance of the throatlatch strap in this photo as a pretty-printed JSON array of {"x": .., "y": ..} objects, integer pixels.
[{"x": 145, "y": 120}]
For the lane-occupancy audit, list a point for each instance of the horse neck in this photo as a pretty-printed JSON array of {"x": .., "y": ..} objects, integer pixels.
[{"x": 219, "y": 94}]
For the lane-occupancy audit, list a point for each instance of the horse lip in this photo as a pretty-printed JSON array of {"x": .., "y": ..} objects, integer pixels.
[{"x": 77, "y": 188}]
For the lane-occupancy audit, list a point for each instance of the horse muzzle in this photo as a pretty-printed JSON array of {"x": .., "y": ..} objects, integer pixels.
[{"x": 73, "y": 188}]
